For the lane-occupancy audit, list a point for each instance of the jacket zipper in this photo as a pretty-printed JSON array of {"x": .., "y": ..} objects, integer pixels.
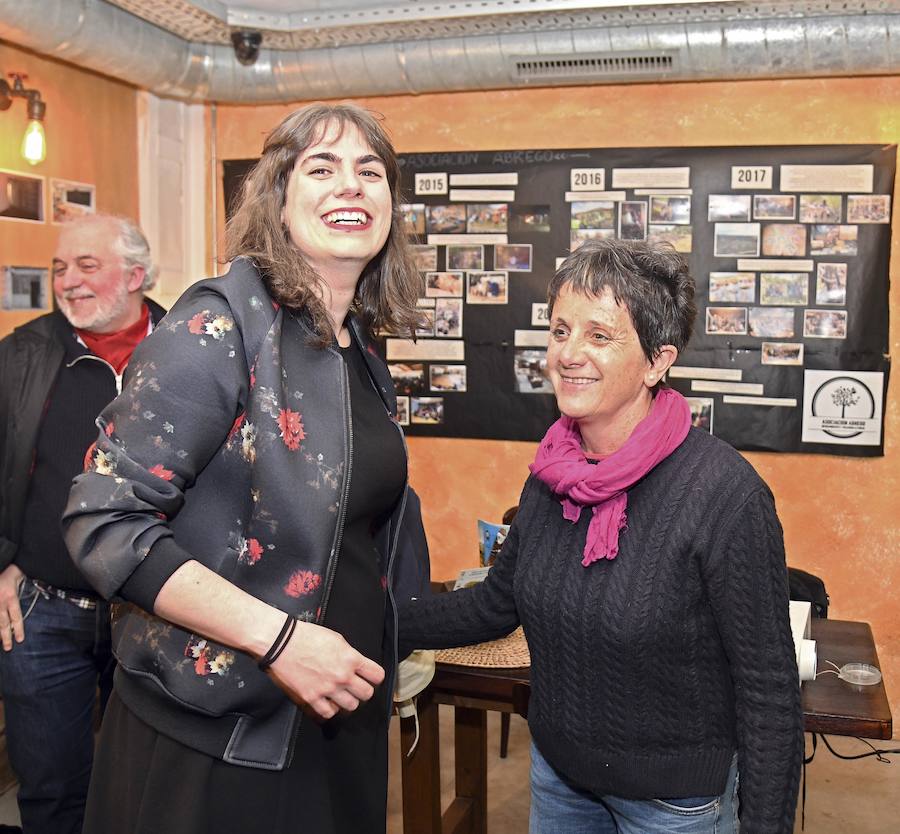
[
  {"x": 331, "y": 570},
  {"x": 95, "y": 358},
  {"x": 118, "y": 377}
]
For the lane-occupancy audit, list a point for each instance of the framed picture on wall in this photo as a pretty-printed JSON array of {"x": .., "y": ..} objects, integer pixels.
[
  {"x": 69, "y": 200},
  {"x": 21, "y": 197},
  {"x": 25, "y": 288}
]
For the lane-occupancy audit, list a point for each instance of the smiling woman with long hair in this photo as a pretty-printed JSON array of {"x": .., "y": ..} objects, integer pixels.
[{"x": 244, "y": 496}]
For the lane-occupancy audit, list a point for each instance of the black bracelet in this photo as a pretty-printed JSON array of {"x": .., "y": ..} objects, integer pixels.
[{"x": 283, "y": 638}]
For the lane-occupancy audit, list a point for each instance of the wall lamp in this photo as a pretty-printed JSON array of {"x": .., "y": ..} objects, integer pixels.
[{"x": 34, "y": 142}]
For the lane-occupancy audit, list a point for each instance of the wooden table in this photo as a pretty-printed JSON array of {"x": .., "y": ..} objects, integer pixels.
[{"x": 830, "y": 705}]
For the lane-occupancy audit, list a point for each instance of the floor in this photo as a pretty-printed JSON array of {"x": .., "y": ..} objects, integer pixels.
[{"x": 843, "y": 797}]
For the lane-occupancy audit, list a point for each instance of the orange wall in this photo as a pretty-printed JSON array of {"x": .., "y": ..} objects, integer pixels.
[
  {"x": 840, "y": 514},
  {"x": 91, "y": 127}
]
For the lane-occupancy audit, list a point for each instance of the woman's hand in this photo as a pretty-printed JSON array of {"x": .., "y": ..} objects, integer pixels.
[
  {"x": 318, "y": 668},
  {"x": 323, "y": 672}
]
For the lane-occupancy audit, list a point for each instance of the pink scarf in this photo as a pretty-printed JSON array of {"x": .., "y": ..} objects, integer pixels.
[{"x": 561, "y": 464}]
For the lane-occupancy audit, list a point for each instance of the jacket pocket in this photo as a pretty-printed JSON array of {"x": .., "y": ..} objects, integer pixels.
[{"x": 194, "y": 672}]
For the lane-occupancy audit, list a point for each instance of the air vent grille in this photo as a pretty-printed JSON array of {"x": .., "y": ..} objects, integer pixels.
[{"x": 608, "y": 65}]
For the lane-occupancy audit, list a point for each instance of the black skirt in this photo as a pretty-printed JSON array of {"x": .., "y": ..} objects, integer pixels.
[{"x": 146, "y": 783}]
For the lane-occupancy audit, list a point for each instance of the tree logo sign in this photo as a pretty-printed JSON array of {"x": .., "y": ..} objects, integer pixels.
[{"x": 842, "y": 407}]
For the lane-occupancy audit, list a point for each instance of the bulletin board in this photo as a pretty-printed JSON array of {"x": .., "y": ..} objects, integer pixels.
[{"x": 789, "y": 247}]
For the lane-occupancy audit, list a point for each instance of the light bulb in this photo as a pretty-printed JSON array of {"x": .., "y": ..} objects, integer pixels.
[{"x": 34, "y": 143}]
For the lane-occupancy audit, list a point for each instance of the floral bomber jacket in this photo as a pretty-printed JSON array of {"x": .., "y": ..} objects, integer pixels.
[{"x": 231, "y": 444}]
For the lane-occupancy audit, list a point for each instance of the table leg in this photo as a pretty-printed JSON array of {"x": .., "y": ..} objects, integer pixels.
[
  {"x": 471, "y": 766},
  {"x": 421, "y": 772}
]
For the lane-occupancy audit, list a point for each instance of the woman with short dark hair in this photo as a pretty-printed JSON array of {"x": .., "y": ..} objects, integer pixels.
[
  {"x": 646, "y": 564},
  {"x": 245, "y": 496}
]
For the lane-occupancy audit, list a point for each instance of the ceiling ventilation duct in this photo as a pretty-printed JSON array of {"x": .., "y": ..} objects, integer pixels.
[
  {"x": 633, "y": 44},
  {"x": 597, "y": 69}
]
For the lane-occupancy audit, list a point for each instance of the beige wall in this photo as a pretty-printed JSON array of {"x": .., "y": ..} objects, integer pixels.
[
  {"x": 91, "y": 127},
  {"x": 840, "y": 514}
]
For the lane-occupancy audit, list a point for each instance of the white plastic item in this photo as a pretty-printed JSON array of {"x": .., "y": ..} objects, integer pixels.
[
  {"x": 413, "y": 675},
  {"x": 859, "y": 674},
  {"x": 806, "y": 660},
  {"x": 804, "y": 648}
]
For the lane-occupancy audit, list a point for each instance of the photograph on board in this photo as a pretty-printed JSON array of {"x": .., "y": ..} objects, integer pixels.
[
  {"x": 633, "y": 220},
  {"x": 530, "y": 370},
  {"x": 427, "y": 410},
  {"x": 448, "y": 377},
  {"x": 774, "y": 206},
  {"x": 820, "y": 208},
  {"x": 445, "y": 219},
  {"x": 409, "y": 377},
  {"x": 771, "y": 322},
  {"x": 782, "y": 353},
  {"x": 465, "y": 256},
  {"x": 736, "y": 240},
  {"x": 487, "y": 288},
  {"x": 784, "y": 288},
  {"x": 448, "y": 315},
  {"x": 735, "y": 287},
  {"x": 439, "y": 284},
  {"x": 726, "y": 320},
  {"x": 825, "y": 324},
  {"x": 670, "y": 209},
  {"x": 831, "y": 283},
  {"x": 724, "y": 208}
]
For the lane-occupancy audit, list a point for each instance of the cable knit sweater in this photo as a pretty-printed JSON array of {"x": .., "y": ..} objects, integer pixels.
[{"x": 650, "y": 670}]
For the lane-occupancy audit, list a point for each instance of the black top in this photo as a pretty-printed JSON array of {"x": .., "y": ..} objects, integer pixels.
[
  {"x": 648, "y": 671},
  {"x": 83, "y": 387},
  {"x": 337, "y": 780}
]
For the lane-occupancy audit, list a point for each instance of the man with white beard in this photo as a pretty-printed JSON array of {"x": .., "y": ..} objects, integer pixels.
[{"x": 56, "y": 374}]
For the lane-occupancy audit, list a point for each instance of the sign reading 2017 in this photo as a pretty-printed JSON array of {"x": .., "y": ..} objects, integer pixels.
[{"x": 751, "y": 176}]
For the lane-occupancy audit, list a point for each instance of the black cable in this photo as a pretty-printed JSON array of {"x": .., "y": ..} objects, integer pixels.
[
  {"x": 813, "y": 754},
  {"x": 878, "y": 752}
]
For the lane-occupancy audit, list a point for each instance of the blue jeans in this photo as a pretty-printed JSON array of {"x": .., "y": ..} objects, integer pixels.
[
  {"x": 559, "y": 807},
  {"x": 49, "y": 685}
]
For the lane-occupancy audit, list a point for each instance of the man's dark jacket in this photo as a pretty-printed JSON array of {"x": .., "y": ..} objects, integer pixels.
[{"x": 30, "y": 359}]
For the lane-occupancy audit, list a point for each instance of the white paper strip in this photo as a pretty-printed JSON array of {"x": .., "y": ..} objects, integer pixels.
[
  {"x": 773, "y": 265},
  {"x": 590, "y": 196},
  {"x": 827, "y": 178},
  {"x": 727, "y": 387},
  {"x": 784, "y": 402},
  {"x": 463, "y": 238},
  {"x": 532, "y": 338},
  {"x": 401, "y": 350},
  {"x": 686, "y": 372},
  {"x": 643, "y": 192},
  {"x": 478, "y": 195},
  {"x": 651, "y": 178},
  {"x": 511, "y": 178}
]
